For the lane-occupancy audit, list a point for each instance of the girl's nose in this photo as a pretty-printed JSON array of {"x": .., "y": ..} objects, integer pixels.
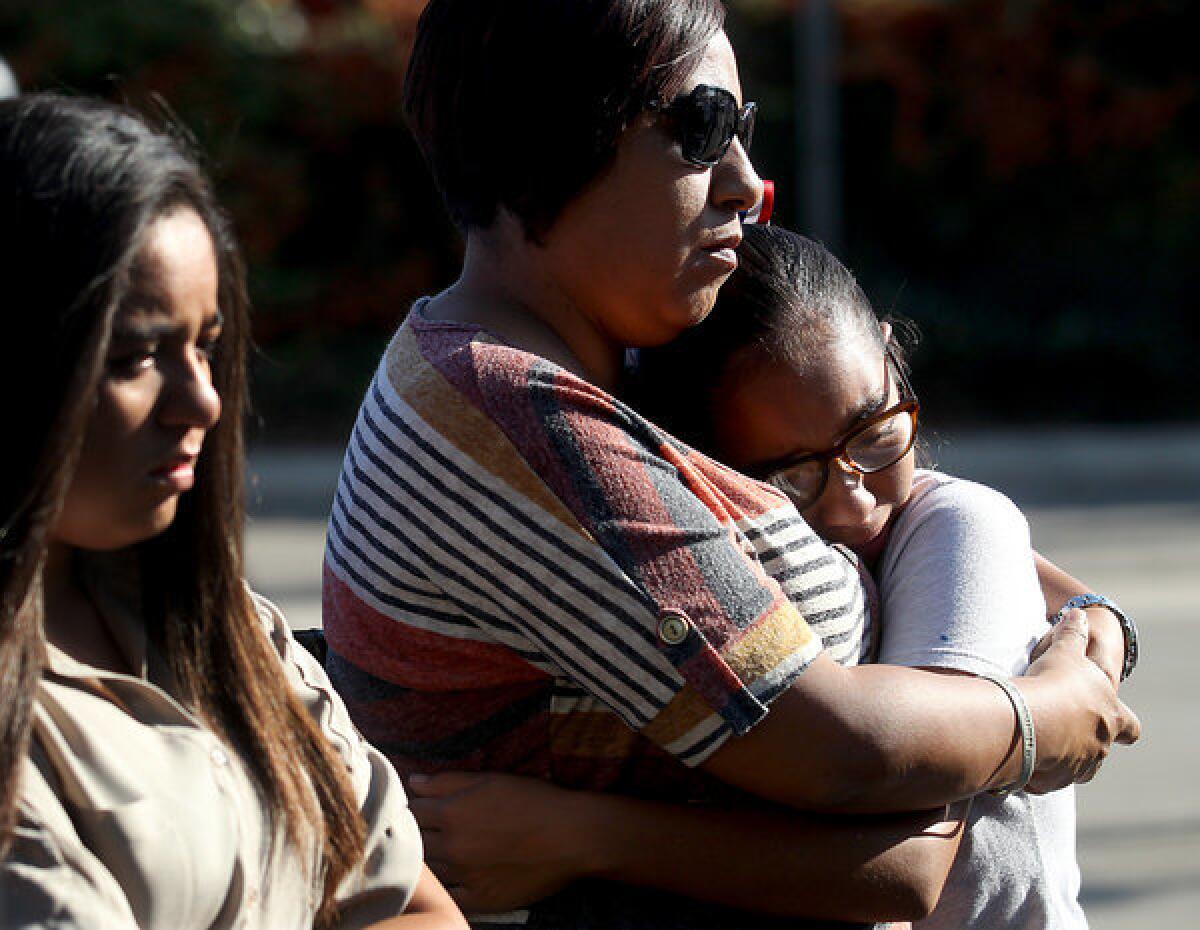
[{"x": 846, "y": 500}]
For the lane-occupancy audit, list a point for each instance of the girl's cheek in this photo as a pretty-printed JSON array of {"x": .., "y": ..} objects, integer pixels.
[{"x": 813, "y": 517}]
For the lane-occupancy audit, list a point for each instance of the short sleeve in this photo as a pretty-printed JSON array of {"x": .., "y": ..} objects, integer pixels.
[
  {"x": 958, "y": 582},
  {"x": 687, "y": 534},
  {"x": 382, "y": 886},
  {"x": 49, "y": 878},
  {"x": 489, "y": 497}
]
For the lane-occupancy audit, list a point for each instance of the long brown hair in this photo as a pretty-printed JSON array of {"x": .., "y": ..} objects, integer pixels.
[{"x": 80, "y": 183}]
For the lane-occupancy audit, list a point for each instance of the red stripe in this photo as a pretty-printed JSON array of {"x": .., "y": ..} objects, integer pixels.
[{"x": 409, "y": 656}]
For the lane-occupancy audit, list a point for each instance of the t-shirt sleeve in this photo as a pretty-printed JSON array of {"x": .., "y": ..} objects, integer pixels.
[
  {"x": 712, "y": 625},
  {"x": 958, "y": 583},
  {"x": 392, "y": 858},
  {"x": 505, "y": 503}
]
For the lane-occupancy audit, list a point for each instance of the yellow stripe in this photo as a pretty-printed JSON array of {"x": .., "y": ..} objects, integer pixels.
[
  {"x": 780, "y": 634},
  {"x": 466, "y": 427}
]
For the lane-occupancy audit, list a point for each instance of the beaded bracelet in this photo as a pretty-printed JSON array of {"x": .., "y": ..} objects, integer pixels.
[{"x": 1028, "y": 737}]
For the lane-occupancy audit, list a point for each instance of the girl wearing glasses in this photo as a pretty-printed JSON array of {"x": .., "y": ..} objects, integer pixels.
[
  {"x": 523, "y": 574},
  {"x": 809, "y": 395},
  {"x": 171, "y": 759}
]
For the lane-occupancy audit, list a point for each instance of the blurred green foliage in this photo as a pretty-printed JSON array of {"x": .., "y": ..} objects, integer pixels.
[{"x": 1020, "y": 178}]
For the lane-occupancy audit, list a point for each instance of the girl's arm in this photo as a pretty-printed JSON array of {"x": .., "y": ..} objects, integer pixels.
[
  {"x": 502, "y": 841},
  {"x": 430, "y": 908},
  {"x": 1106, "y": 641}
]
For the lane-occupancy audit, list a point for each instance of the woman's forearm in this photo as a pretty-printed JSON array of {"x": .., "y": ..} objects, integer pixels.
[
  {"x": 776, "y": 861},
  {"x": 880, "y": 738},
  {"x": 504, "y": 841}
]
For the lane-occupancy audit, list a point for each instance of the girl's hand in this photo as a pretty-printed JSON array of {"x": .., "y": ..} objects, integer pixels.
[
  {"x": 500, "y": 842},
  {"x": 1106, "y": 640},
  {"x": 1077, "y": 714}
]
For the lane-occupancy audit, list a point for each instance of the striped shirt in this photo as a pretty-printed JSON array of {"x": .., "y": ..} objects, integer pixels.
[{"x": 522, "y": 574}]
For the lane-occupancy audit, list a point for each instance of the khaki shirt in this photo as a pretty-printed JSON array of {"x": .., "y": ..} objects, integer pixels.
[{"x": 133, "y": 814}]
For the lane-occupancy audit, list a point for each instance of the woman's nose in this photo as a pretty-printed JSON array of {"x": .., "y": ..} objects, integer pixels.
[
  {"x": 736, "y": 186},
  {"x": 190, "y": 399}
]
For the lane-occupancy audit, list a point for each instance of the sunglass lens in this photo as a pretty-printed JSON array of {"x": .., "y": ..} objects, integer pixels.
[
  {"x": 746, "y": 120},
  {"x": 709, "y": 120}
]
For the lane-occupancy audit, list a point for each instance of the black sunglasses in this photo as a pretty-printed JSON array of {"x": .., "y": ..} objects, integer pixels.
[{"x": 706, "y": 119}]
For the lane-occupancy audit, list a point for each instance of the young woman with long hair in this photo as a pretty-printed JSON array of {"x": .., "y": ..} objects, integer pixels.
[
  {"x": 524, "y": 574},
  {"x": 171, "y": 758}
]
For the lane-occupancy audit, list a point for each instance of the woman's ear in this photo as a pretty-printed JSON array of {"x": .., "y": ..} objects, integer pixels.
[{"x": 885, "y": 328}]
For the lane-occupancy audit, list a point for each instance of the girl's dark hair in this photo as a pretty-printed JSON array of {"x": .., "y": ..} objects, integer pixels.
[
  {"x": 520, "y": 103},
  {"x": 788, "y": 298},
  {"x": 81, "y": 182}
]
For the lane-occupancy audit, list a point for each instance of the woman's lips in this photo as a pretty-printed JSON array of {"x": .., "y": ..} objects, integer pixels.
[
  {"x": 179, "y": 474},
  {"x": 725, "y": 257},
  {"x": 722, "y": 254}
]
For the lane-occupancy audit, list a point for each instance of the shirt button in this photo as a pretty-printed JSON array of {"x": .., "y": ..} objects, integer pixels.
[
  {"x": 673, "y": 627},
  {"x": 219, "y": 757}
]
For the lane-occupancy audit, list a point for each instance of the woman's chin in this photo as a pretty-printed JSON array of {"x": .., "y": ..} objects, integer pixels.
[{"x": 145, "y": 526}]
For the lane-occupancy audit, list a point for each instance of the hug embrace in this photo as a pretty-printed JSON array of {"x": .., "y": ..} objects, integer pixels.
[
  {"x": 691, "y": 643},
  {"x": 540, "y": 566}
]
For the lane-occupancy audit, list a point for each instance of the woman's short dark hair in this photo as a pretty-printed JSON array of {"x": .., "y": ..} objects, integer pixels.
[
  {"x": 788, "y": 298},
  {"x": 520, "y": 103}
]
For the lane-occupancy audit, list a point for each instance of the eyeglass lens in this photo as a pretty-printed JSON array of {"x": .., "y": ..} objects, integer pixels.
[{"x": 879, "y": 446}]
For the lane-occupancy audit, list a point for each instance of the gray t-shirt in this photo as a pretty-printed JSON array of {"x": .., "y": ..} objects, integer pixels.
[{"x": 959, "y": 590}]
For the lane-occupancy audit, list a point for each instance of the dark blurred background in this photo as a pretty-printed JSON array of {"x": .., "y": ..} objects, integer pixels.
[{"x": 1020, "y": 178}]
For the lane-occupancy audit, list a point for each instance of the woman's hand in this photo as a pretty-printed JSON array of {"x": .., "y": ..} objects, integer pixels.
[
  {"x": 500, "y": 842},
  {"x": 1077, "y": 714}
]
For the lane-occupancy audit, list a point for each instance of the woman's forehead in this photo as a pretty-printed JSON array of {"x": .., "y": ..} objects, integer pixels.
[{"x": 716, "y": 66}]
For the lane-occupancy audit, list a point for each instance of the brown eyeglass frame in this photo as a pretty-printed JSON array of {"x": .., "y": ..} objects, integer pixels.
[{"x": 911, "y": 405}]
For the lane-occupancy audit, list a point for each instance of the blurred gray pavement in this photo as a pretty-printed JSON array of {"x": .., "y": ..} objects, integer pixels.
[{"x": 1119, "y": 508}]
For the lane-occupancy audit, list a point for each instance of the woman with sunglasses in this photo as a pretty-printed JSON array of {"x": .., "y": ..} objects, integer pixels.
[
  {"x": 523, "y": 574},
  {"x": 171, "y": 758},
  {"x": 804, "y": 389}
]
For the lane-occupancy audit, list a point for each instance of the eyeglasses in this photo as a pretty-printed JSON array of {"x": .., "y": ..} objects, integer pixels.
[
  {"x": 873, "y": 445},
  {"x": 706, "y": 119}
]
